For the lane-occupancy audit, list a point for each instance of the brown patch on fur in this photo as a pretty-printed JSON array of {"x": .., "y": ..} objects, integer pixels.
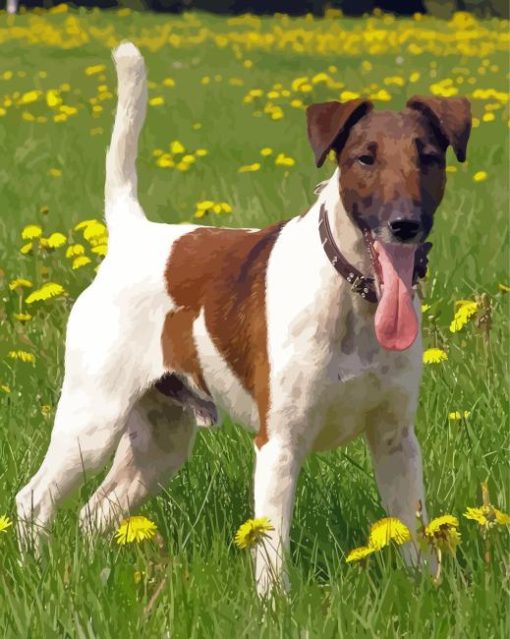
[{"x": 223, "y": 272}]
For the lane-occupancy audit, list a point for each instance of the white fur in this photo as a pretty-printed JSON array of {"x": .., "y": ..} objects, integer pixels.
[{"x": 330, "y": 381}]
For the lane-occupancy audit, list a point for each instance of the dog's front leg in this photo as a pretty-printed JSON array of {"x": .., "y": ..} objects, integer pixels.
[
  {"x": 397, "y": 463},
  {"x": 277, "y": 468}
]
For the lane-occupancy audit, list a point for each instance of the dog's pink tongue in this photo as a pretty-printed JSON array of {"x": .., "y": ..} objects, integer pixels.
[{"x": 396, "y": 324}]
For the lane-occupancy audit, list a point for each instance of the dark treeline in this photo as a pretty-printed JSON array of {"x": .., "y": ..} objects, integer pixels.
[{"x": 440, "y": 8}]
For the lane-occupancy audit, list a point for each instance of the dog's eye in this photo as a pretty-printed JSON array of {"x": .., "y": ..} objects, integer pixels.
[
  {"x": 430, "y": 159},
  {"x": 366, "y": 160}
]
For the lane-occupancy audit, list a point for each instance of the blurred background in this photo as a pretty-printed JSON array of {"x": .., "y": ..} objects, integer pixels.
[{"x": 437, "y": 8}]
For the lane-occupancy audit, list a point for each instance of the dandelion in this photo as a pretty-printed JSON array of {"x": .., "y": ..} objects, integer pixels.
[
  {"x": 53, "y": 98},
  {"x": 47, "y": 291},
  {"x": 434, "y": 356},
  {"x": 20, "y": 283},
  {"x": 5, "y": 388},
  {"x": 135, "y": 529},
  {"x": 457, "y": 415},
  {"x": 441, "y": 533},
  {"x": 201, "y": 153},
  {"x": 249, "y": 168},
  {"x": 176, "y": 147},
  {"x": 266, "y": 151},
  {"x": 100, "y": 249},
  {"x": 284, "y": 160},
  {"x": 55, "y": 240},
  {"x": 357, "y": 554},
  {"x": 386, "y": 530},
  {"x": 55, "y": 172},
  {"x": 31, "y": 232},
  {"x": 95, "y": 69},
  {"x": 165, "y": 161},
  {"x": 93, "y": 230},
  {"x": 22, "y": 356},
  {"x": 157, "y": 101},
  {"x": 486, "y": 515},
  {"x": 74, "y": 250},
  {"x": 480, "y": 176},
  {"x": 26, "y": 248},
  {"x": 80, "y": 261},
  {"x": 252, "y": 532},
  {"x": 5, "y": 523},
  {"x": 465, "y": 309},
  {"x": 504, "y": 288},
  {"x": 425, "y": 308}
]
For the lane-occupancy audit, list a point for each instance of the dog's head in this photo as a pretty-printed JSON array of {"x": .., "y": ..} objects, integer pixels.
[{"x": 392, "y": 179}]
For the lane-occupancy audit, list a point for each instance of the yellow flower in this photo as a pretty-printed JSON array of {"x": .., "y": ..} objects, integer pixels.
[
  {"x": 75, "y": 249},
  {"x": 48, "y": 290},
  {"x": 53, "y": 98},
  {"x": 26, "y": 248},
  {"x": 95, "y": 69},
  {"x": 386, "y": 530},
  {"x": 266, "y": 151},
  {"x": 488, "y": 117},
  {"x": 56, "y": 239},
  {"x": 169, "y": 82},
  {"x": 54, "y": 172},
  {"x": 480, "y": 176},
  {"x": 100, "y": 249},
  {"x": 360, "y": 553},
  {"x": 176, "y": 147},
  {"x": 283, "y": 160},
  {"x": 487, "y": 516},
  {"x": 442, "y": 532},
  {"x": 80, "y": 261},
  {"x": 19, "y": 283},
  {"x": 136, "y": 528},
  {"x": 22, "y": 317},
  {"x": 157, "y": 101},
  {"x": 348, "y": 95},
  {"x": 248, "y": 168},
  {"x": 5, "y": 523},
  {"x": 5, "y": 388},
  {"x": 201, "y": 153},
  {"x": 434, "y": 356},
  {"x": 465, "y": 309},
  {"x": 23, "y": 356},
  {"x": 29, "y": 97},
  {"x": 31, "y": 232},
  {"x": 165, "y": 161},
  {"x": 93, "y": 230},
  {"x": 84, "y": 224},
  {"x": 504, "y": 288},
  {"x": 225, "y": 208},
  {"x": 252, "y": 532},
  {"x": 425, "y": 308},
  {"x": 456, "y": 415}
]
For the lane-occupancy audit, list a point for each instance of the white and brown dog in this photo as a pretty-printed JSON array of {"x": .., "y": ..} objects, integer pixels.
[{"x": 278, "y": 327}]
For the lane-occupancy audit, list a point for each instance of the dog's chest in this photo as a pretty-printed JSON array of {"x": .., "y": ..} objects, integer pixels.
[{"x": 360, "y": 378}]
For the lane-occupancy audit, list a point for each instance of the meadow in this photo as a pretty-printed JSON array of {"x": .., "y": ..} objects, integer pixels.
[{"x": 225, "y": 144}]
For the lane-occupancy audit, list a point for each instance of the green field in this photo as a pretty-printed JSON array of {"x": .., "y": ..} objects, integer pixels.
[{"x": 231, "y": 87}]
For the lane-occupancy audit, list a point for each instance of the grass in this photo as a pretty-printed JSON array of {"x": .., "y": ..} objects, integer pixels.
[{"x": 82, "y": 591}]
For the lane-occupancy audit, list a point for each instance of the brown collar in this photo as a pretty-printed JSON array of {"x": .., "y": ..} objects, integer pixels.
[{"x": 361, "y": 284}]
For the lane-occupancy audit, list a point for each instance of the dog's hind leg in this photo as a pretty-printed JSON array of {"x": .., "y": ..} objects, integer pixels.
[
  {"x": 156, "y": 443},
  {"x": 102, "y": 381}
]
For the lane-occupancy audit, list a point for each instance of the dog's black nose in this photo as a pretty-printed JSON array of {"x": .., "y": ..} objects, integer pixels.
[{"x": 403, "y": 229}]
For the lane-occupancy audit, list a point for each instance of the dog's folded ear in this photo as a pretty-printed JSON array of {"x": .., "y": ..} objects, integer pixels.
[
  {"x": 328, "y": 124},
  {"x": 451, "y": 117}
]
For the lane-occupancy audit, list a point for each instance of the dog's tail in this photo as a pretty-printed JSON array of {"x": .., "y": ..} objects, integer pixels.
[{"x": 121, "y": 179}]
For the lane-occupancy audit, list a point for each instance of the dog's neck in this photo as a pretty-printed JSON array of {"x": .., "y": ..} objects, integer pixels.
[{"x": 347, "y": 235}]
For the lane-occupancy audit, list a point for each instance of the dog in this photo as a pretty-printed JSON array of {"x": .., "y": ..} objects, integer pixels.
[{"x": 307, "y": 331}]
